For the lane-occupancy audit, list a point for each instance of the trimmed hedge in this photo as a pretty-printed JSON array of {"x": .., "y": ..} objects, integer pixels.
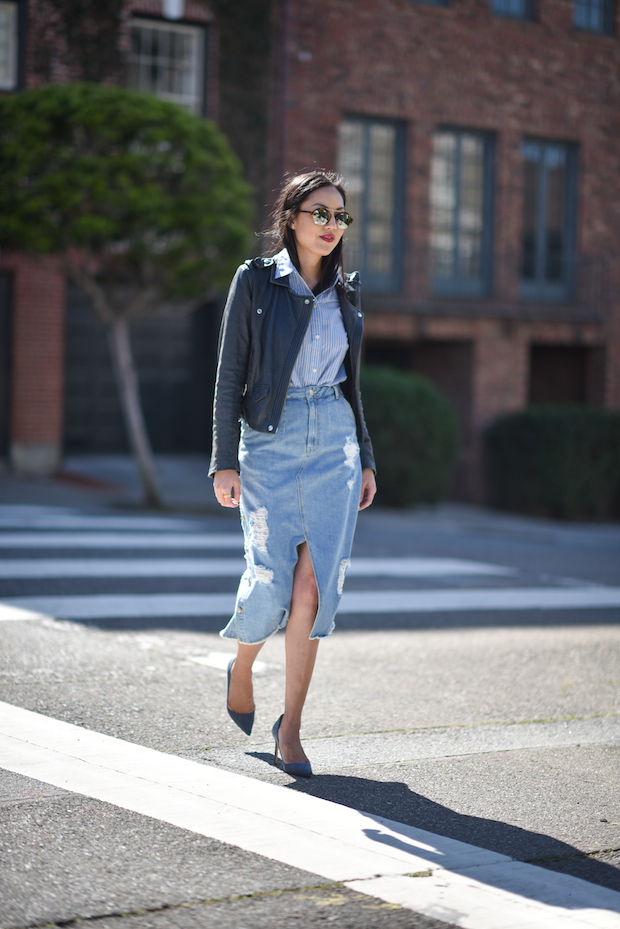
[
  {"x": 414, "y": 435},
  {"x": 556, "y": 461}
]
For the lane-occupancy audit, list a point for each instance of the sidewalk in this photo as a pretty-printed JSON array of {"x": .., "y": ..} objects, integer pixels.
[{"x": 114, "y": 481}]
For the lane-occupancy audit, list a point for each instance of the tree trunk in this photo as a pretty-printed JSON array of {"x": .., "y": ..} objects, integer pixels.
[{"x": 127, "y": 382}]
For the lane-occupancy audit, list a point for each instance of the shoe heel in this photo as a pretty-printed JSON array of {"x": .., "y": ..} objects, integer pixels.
[{"x": 296, "y": 769}]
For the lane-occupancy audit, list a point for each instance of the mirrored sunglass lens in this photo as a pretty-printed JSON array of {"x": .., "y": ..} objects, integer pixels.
[
  {"x": 343, "y": 220},
  {"x": 320, "y": 216}
]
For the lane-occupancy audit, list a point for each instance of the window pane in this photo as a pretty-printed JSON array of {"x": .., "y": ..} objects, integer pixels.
[
  {"x": 471, "y": 207},
  {"x": 165, "y": 60},
  {"x": 555, "y": 212},
  {"x": 351, "y": 166},
  {"x": 380, "y": 215},
  {"x": 594, "y": 15},
  {"x": 546, "y": 257},
  {"x": 8, "y": 46},
  {"x": 458, "y": 207},
  {"x": 517, "y": 8},
  {"x": 443, "y": 204},
  {"x": 368, "y": 160},
  {"x": 531, "y": 153}
]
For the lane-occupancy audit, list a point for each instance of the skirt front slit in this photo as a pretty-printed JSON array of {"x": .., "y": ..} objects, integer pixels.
[{"x": 299, "y": 484}]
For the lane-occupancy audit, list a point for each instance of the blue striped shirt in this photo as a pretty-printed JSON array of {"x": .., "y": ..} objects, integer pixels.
[{"x": 320, "y": 361}]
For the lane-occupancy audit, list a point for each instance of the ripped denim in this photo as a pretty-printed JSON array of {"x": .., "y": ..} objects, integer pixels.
[{"x": 301, "y": 483}]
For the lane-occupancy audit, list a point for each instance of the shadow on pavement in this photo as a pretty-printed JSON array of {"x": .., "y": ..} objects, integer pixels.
[{"x": 395, "y": 801}]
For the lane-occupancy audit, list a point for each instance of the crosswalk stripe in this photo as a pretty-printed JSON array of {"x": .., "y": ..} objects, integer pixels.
[
  {"x": 221, "y": 567},
  {"x": 79, "y": 540},
  {"x": 79, "y": 521},
  {"x": 373, "y": 855},
  {"x": 144, "y": 606}
]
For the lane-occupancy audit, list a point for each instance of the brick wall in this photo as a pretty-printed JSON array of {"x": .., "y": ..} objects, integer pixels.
[
  {"x": 37, "y": 362},
  {"x": 463, "y": 66}
]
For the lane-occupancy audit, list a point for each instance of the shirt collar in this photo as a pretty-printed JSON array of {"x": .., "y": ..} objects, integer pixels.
[{"x": 284, "y": 267}]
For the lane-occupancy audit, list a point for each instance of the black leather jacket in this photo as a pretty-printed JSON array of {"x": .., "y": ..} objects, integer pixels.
[{"x": 263, "y": 326}]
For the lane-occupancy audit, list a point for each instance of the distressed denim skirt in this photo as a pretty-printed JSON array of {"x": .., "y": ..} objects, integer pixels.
[{"x": 299, "y": 484}]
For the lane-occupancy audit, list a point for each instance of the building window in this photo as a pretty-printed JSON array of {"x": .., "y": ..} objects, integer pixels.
[
  {"x": 8, "y": 46},
  {"x": 594, "y": 16},
  {"x": 513, "y": 9},
  {"x": 167, "y": 59},
  {"x": 431, "y": 2},
  {"x": 460, "y": 216},
  {"x": 548, "y": 236},
  {"x": 370, "y": 157}
]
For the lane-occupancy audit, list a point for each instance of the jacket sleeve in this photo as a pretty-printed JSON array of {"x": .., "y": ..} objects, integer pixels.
[
  {"x": 367, "y": 456},
  {"x": 351, "y": 387},
  {"x": 233, "y": 356}
]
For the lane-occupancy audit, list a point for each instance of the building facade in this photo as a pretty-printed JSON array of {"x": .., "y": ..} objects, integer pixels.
[
  {"x": 480, "y": 140},
  {"x": 481, "y": 143},
  {"x": 57, "y": 388}
]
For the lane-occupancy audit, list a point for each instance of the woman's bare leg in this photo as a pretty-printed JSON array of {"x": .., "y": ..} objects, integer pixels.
[
  {"x": 241, "y": 694},
  {"x": 300, "y": 655}
]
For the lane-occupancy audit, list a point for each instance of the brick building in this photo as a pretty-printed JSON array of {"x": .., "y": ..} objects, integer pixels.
[
  {"x": 481, "y": 144},
  {"x": 57, "y": 389}
]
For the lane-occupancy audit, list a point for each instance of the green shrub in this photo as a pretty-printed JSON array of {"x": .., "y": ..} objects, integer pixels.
[
  {"x": 556, "y": 461},
  {"x": 414, "y": 435}
]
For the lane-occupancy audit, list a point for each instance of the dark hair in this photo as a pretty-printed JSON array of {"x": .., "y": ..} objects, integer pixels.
[{"x": 295, "y": 190}]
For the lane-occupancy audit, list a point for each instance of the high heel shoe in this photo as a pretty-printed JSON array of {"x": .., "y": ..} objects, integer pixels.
[
  {"x": 245, "y": 721},
  {"x": 296, "y": 768}
]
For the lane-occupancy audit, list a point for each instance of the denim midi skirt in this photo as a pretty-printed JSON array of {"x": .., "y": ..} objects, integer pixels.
[{"x": 299, "y": 484}]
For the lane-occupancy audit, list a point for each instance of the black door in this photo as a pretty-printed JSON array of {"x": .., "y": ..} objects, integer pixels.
[{"x": 175, "y": 360}]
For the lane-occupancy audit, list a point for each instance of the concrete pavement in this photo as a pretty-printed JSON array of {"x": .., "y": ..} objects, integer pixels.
[{"x": 496, "y": 729}]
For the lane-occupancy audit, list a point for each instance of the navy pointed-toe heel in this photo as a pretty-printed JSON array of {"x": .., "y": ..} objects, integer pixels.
[
  {"x": 295, "y": 768},
  {"x": 245, "y": 721}
]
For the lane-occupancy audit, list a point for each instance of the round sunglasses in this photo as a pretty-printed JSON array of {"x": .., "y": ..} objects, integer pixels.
[{"x": 321, "y": 216}]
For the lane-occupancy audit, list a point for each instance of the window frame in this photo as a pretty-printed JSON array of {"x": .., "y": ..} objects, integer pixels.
[
  {"x": 542, "y": 290},
  {"x": 202, "y": 30},
  {"x": 609, "y": 18},
  {"x": 458, "y": 286},
  {"x": 374, "y": 282}
]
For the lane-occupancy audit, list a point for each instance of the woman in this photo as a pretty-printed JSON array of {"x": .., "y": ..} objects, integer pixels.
[{"x": 303, "y": 466}]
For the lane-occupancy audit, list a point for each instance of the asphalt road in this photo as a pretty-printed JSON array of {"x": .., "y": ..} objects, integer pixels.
[{"x": 492, "y": 721}]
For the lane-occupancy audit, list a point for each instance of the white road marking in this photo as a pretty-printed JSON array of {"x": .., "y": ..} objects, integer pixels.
[
  {"x": 80, "y": 540},
  {"x": 507, "y": 598},
  {"x": 144, "y": 606},
  {"x": 423, "y": 567},
  {"x": 28, "y": 509},
  {"x": 131, "y": 606},
  {"x": 473, "y": 887},
  {"x": 14, "y": 613},
  {"x": 229, "y": 567},
  {"x": 82, "y": 521},
  {"x": 113, "y": 567},
  {"x": 219, "y": 660}
]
